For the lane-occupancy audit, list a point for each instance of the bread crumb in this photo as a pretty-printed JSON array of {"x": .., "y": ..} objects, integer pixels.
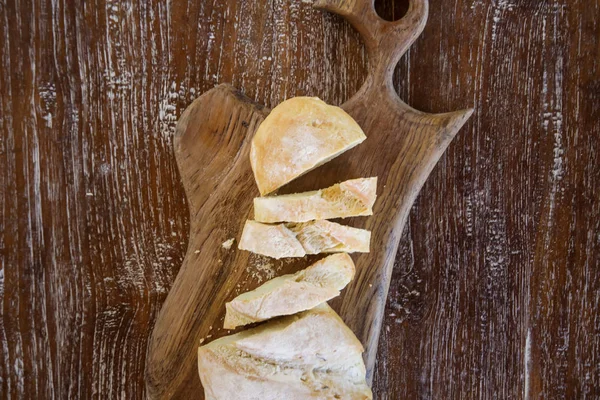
[
  {"x": 201, "y": 340},
  {"x": 260, "y": 268},
  {"x": 197, "y": 252},
  {"x": 370, "y": 285},
  {"x": 267, "y": 269},
  {"x": 228, "y": 243},
  {"x": 290, "y": 260},
  {"x": 260, "y": 272}
]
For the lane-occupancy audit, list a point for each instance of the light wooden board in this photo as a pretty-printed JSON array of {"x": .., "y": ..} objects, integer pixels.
[{"x": 212, "y": 146}]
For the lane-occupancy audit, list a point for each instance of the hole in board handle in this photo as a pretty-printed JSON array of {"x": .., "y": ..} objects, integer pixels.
[{"x": 391, "y": 10}]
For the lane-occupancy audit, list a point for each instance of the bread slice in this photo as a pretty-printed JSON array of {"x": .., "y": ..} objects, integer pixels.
[
  {"x": 297, "y": 240},
  {"x": 310, "y": 355},
  {"x": 289, "y": 294},
  {"x": 275, "y": 241},
  {"x": 324, "y": 236},
  {"x": 297, "y": 136},
  {"x": 347, "y": 199}
]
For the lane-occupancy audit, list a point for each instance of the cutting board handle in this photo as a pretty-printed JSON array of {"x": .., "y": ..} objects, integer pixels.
[{"x": 385, "y": 41}]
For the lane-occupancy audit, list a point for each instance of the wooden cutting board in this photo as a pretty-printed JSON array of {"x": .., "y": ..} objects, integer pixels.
[{"x": 212, "y": 145}]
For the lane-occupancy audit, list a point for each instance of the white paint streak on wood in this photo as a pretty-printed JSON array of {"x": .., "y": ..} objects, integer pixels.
[{"x": 527, "y": 365}]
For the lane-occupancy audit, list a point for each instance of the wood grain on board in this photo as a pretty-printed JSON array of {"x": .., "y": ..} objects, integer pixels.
[
  {"x": 495, "y": 289},
  {"x": 212, "y": 149}
]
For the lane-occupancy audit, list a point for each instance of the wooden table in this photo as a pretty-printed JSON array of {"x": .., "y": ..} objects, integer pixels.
[{"x": 496, "y": 291}]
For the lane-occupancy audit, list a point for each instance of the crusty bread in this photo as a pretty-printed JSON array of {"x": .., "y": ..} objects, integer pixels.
[
  {"x": 297, "y": 136},
  {"x": 310, "y": 355},
  {"x": 297, "y": 240},
  {"x": 275, "y": 241},
  {"x": 289, "y": 294},
  {"x": 322, "y": 236},
  {"x": 346, "y": 199}
]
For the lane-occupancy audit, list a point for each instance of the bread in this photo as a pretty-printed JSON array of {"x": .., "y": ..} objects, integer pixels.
[
  {"x": 297, "y": 240},
  {"x": 347, "y": 199},
  {"x": 324, "y": 236},
  {"x": 297, "y": 136},
  {"x": 289, "y": 294},
  {"x": 275, "y": 241},
  {"x": 310, "y": 355}
]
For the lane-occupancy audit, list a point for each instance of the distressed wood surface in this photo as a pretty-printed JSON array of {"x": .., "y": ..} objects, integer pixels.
[{"x": 496, "y": 287}]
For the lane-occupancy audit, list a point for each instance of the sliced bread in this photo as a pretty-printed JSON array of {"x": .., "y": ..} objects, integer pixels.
[
  {"x": 310, "y": 355},
  {"x": 289, "y": 294},
  {"x": 297, "y": 136},
  {"x": 299, "y": 239},
  {"x": 351, "y": 198}
]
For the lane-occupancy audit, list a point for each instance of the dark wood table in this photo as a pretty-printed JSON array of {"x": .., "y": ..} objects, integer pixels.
[{"x": 496, "y": 291}]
